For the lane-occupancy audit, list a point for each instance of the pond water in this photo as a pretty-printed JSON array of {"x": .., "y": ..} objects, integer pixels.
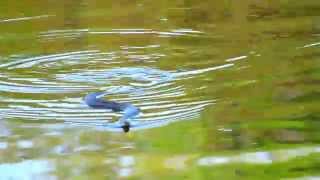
[{"x": 227, "y": 90}]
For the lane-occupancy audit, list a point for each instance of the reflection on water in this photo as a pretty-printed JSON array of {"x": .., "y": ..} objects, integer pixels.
[
  {"x": 155, "y": 91},
  {"x": 126, "y": 163},
  {"x": 29, "y": 169},
  {"x": 263, "y": 157},
  {"x": 239, "y": 79},
  {"x": 24, "y": 18},
  {"x": 73, "y": 33}
]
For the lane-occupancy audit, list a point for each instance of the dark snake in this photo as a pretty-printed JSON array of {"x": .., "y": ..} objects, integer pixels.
[{"x": 94, "y": 100}]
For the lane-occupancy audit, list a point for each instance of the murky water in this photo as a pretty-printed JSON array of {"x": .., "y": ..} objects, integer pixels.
[{"x": 227, "y": 90}]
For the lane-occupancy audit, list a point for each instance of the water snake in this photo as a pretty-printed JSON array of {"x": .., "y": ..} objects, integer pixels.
[{"x": 94, "y": 100}]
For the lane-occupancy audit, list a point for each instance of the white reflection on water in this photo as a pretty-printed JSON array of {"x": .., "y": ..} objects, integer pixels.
[
  {"x": 29, "y": 62},
  {"x": 25, "y": 18},
  {"x": 27, "y": 170},
  {"x": 4, "y": 130},
  {"x": 157, "y": 92},
  {"x": 263, "y": 157},
  {"x": 3, "y": 145},
  {"x": 71, "y": 33},
  {"x": 236, "y": 58},
  {"x": 310, "y": 45},
  {"x": 126, "y": 163},
  {"x": 24, "y": 144}
]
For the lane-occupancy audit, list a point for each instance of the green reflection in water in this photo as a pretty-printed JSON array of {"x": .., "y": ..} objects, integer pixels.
[{"x": 267, "y": 102}]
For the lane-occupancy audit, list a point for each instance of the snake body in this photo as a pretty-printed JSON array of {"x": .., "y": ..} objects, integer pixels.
[{"x": 94, "y": 100}]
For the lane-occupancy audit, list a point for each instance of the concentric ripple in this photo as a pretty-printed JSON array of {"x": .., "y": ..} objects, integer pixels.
[
  {"x": 60, "y": 93},
  {"x": 74, "y": 33}
]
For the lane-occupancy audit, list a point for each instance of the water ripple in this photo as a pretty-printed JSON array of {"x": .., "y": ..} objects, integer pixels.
[
  {"x": 29, "y": 62},
  {"x": 73, "y": 33},
  {"x": 157, "y": 92},
  {"x": 25, "y": 18}
]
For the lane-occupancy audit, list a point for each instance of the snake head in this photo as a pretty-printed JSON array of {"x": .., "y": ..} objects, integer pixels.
[{"x": 126, "y": 127}]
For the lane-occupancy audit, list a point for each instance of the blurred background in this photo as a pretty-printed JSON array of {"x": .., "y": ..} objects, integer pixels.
[{"x": 231, "y": 86}]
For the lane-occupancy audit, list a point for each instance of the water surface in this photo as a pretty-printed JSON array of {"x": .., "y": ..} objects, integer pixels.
[{"x": 228, "y": 90}]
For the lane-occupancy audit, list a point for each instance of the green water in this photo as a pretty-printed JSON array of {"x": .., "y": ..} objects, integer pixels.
[{"x": 235, "y": 83}]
